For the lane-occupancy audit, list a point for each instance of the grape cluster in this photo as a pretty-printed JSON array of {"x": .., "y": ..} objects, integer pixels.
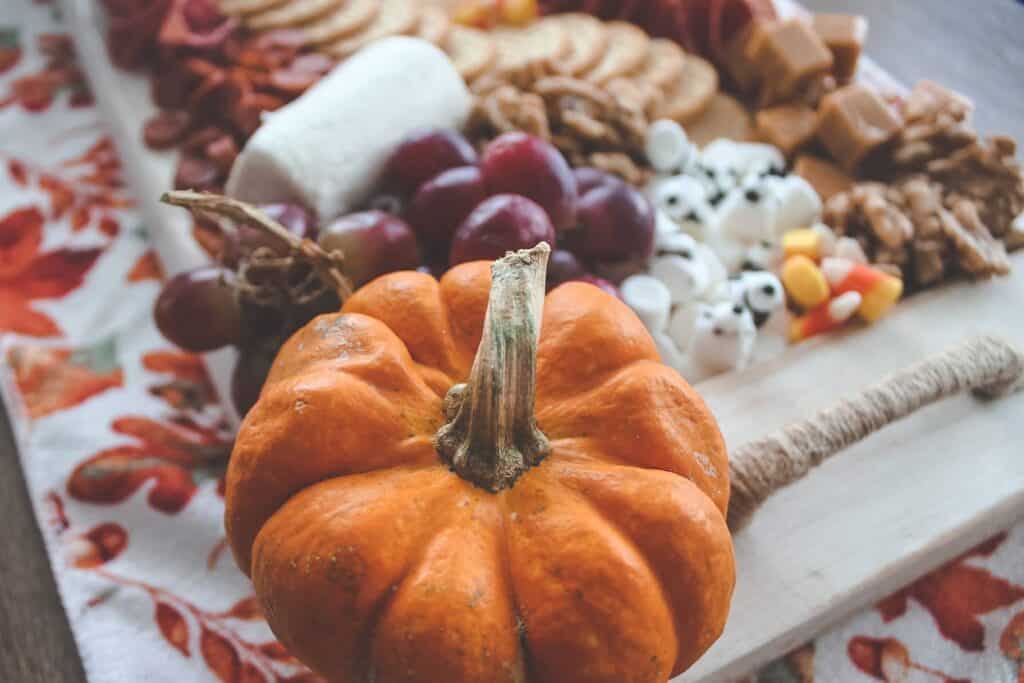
[
  {"x": 519, "y": 191},
  {"x": 440, "y": 204}
]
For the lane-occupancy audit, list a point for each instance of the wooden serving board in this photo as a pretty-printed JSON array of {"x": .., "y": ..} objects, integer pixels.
[{"x": 864, "y": 524}]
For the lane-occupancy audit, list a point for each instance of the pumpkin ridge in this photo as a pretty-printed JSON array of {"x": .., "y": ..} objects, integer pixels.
[
  {"x": 677, "y": 420},
  {"x": 300, "y": 633},
  {"x": 629, "y": 541},
  {"x": 575, "y": 476},
  {"x": 522, "y": 628},
  {"x": 555, "y": 581}
]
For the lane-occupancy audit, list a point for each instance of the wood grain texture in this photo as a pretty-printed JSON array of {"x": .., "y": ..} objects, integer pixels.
[
  {"x": 35, "y": 639},
  {"x": 973, "y": 47}
]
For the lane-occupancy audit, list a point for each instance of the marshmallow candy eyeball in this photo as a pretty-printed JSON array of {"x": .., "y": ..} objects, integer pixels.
[
  {"x": 723, "y": 340},
  {"x": 746, "y": 159},
  {"x": 649, "y": 298},
  {"x": 684, "y": 200},
  {"x": 761, "y": 292},
  {"x": 668, "y": 148},
  {"x": 747, "y": 216}
]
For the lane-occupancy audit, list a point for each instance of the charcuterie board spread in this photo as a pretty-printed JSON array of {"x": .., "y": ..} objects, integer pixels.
[{"x": 731, "y": 196}]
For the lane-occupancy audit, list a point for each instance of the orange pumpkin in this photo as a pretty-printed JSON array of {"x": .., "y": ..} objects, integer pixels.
[{"x": 568, "y": 525}]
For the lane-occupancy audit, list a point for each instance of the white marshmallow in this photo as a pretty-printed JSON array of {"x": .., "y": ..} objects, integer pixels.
[
  {"x": 328, "y": 147},
  {"x": 799, "y": 204},
  {"x": 723, "y": 340},
  {"x": 669, "y": 352},
  {"x": 761, "y": 292},
  {"x": 663, "y": 224},
  {"x": 765, "y": 255},
  {"x": 680, "y": 324},
  {"x": 667, "y": 147},
  {"x": 686, "y": 278},
  {"x": 747, "y": 215},
  {"x": 716, "y": 269},
  {"x": 684, "y": 200},
  {"x": 649, "y": 298},
  {"x": 745, "y": 158}
]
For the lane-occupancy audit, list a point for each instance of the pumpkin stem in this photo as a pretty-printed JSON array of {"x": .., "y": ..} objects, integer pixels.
[{"x": 491, "y": 436}]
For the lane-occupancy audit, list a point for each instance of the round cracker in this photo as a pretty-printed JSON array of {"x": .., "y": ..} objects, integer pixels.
[
  {"x": 665, "y": 64},
  {"x": 294, "y": 13},
  {"x": 627, "y": 49},
  {"x": 519, "y": 47},
  {"x": 350, "y": 18},
  {"x": 434, "y": 25},
  {"x": 587, "y": 41},
  {"x": 472, "y": 51},
  {"x": 693, "y": 92},
  {"x": 724, "y": 117},
  {"x": 236, "y": 7},
  {"x": 396, "y": 18}
]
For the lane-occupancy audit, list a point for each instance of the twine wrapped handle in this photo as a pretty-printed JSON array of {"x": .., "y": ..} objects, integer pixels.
[{"x": 988, "y": 366}]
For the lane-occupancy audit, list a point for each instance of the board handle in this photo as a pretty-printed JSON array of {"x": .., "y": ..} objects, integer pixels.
[{"x": 987, "y": 366}]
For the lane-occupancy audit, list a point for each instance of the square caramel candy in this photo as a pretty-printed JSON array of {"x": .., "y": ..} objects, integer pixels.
[
  {"x": 844, "y": 35},
  {"x": 790, "y": 56},
  {"x": 788, "y": 126},
  {"x": 739, "y": 58},
  {"x": 826, "y": 178},
  {"x": 854, "y": 122}
]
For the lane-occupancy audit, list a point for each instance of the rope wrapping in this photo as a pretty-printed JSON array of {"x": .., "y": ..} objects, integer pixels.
[{"x": 988, "y": 366}]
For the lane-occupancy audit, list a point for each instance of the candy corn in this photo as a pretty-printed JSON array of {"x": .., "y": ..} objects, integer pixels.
[
  {"x": 878, "y": 290},
  {"x": 802, "y": 242},
  {"x": 804, "y": 282},
  {"x": 828, "y": 316}
]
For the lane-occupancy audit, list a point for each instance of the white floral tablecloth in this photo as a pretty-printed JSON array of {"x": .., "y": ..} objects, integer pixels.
[{"x": 120, "y": 436}]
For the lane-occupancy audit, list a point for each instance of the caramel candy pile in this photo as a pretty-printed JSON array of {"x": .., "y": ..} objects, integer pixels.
[{"x": 951, "y": 200}]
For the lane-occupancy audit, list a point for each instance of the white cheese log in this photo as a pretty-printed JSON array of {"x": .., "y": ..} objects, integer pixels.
[{"x": 328, "y": 147}]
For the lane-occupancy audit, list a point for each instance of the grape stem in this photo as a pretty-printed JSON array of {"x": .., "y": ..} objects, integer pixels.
[{"x": 329, "y": 265}]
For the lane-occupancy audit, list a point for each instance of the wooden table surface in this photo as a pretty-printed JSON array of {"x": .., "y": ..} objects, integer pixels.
[{"x": 973, "y": 47}]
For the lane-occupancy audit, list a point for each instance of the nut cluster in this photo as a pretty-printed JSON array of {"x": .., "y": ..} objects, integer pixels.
[
  {"x": 951, "y": 200},
  {"x": 600, "y": 126}
]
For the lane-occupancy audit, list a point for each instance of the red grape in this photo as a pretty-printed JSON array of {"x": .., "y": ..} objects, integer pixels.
[
  {"x": 198, "y": 310},
  {"x": 616, "y": 224},
  {"x": 517, "y": 163},
  {"x": 248, "y": 377},
  {"x": 562, "y": 267},
  {"x": 588, "y": 178},
  {"x": 442, "y": 203},
  {"x": 423, "y": 155},
  {"x": 373, "y": 242},
  {"x": 502, "y": 223},
  {"x": 601, "y": 284}
]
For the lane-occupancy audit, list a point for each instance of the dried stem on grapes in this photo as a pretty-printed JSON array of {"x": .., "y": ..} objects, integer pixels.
[{"x": 328, "y": 265}]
